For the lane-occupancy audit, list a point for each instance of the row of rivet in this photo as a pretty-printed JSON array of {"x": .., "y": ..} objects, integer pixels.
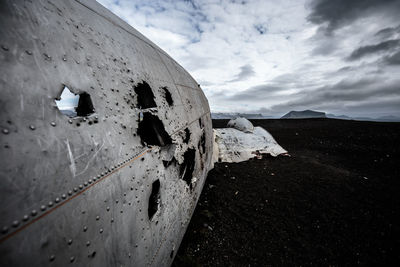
[
  {"x": 101, "y": 230},
  {"x": 58, "y": 201},
  {"x": 33, "y": 127}
]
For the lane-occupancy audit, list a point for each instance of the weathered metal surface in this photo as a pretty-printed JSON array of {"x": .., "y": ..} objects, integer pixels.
[{"x": 87, "y": 190}]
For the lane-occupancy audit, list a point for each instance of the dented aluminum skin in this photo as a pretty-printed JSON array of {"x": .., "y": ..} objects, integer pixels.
[{"x": 88, "y": 190}]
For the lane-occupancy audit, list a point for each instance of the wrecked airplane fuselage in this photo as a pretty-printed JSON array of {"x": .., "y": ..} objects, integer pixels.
[{"x": 113, "y": 179}]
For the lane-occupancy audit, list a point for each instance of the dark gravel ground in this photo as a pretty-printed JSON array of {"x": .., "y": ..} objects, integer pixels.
[{"x": 335, "y": 201}]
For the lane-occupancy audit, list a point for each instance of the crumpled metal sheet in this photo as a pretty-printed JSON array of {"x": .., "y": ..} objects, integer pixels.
[
  {"x": 241, "y": 124},
  {"x": 236, "y": 146}
]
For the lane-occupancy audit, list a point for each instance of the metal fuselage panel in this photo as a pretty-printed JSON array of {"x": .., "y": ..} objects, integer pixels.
[{"x": 81, "y": 190}]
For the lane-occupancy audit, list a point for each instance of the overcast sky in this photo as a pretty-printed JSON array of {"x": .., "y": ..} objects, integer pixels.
[{"x": 268, "y": 56}]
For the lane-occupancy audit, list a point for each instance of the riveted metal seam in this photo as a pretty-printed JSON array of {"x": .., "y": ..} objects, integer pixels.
[
  {"x": 83, "y": 190},
  {"x": 72, "y": 197}
]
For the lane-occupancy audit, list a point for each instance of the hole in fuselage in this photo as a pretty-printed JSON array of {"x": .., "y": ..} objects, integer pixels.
[
  {"x": 67, "y": 102},
  {"x": 187, "y": 167},
  {"x": 85, "y": 105},
  {"x": 168, "y": 96},
  {"x": 145, "y": 96},
  {"x": 151, "y": 131},
  {"x": 74, "y": 105},
  {"x": 154, "y": 199},
  {"x": 203, "y": 142},
  {"x": 187, "y": 136}
]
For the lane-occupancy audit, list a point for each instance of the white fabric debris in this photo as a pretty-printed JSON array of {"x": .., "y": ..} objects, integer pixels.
[
  {"x": 241, "y": 124},
  {"x": 236, "y": 146}
]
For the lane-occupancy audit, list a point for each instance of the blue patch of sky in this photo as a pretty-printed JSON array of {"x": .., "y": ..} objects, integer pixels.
[{"x": 68, "y": 100}]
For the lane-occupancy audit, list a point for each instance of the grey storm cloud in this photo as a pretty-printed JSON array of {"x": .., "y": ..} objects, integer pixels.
[
  {"x": 341, "y": 12},
  {"x": 385, "y": 46},
  {"x": 325, "y": 46},
  {"x": 344, "y": 70},
  {"x": 271, "y": 89},
  {"x": 388, "y": 32},
  {"x": 246, "y": 71},
  {"x": 258, "y": 92},
  {"x": 393, "y": 59},
  {"x": 375, "y": 107},
  {"x": 344, "y": 92}
]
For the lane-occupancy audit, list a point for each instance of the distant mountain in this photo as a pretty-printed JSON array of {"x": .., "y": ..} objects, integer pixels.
[
  {"x": 363, "y": 119},
  {"x": 389, "y": 118},
  {"x": 305, "y": 114},
  {"x": 340, "y": 117},
  {"x": 68, "y": 112}
]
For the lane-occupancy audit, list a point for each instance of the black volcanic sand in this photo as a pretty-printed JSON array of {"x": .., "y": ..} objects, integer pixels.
[{"x": 335, "y": 201}]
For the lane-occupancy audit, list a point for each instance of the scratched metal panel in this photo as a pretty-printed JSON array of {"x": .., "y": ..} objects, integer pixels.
[{"x": 76, "y": 190}]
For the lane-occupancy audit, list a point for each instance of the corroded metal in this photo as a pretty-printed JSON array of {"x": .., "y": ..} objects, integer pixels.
[{"x": 79, "y": 189}]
